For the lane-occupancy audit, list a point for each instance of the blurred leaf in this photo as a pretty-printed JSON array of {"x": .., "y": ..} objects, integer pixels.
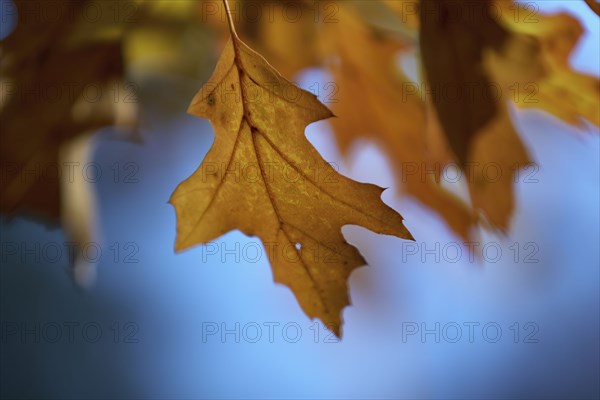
[
  {"x": 61, "y": 81},
  {"x": 570, "y": 95},
  {"x": 483, "y": 60},
  {"x": 452, "y": 51},
  {"x": 377, "y": 100},
  {"x": 290, "y": 43},
  {"x": 43, "y": 80},
  {"x": 408, "y": 13}
]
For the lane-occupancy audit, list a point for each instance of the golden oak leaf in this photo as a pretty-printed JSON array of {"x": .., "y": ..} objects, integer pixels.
[
  {"x": 568, "y": 94},
  {"x": 389, "y": 111},
  {"x": 264, "y": 178}
]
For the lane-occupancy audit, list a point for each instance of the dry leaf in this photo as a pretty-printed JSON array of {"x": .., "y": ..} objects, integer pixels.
[
  {"x": 283, "y": 191},
  {"x": 28, "y": 165},
  {"x": 497, "y": 154},
  {"x": 60, "y": 79},
  {"x": 376, "y": 100},
  {"x": 452, "y": 51},
  {"x": 473, "y": 57},
  {"x": 570, "y": 95}
]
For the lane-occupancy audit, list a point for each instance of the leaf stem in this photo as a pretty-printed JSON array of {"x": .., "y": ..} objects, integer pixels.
[{"x": 230, "y": 20}]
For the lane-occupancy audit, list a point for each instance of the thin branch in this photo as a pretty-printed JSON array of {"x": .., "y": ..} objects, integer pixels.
[{"x": 594, "y": 6}]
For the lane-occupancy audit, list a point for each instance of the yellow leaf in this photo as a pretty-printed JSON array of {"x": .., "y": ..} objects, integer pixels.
[
  {"x": 497, "y": 154},
  {"x": 378, "y": 101},
  {"x": 568, "y": 94},
  {"x": 482, "y": 60},
  {"x": 263, "y": 177}
]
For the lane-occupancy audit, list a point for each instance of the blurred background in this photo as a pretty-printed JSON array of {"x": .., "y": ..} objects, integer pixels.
[{"x": 520, "y": 320}]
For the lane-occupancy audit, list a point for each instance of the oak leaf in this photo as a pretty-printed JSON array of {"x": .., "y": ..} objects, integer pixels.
[
  {"x": 49, "y": 114},
  {"x": 480, "y": 59},
  {"x": 570, "y": 95},
  {"x": 38, "y": 82},
  {"x": 389, "y": 112},
  {"x": 293, "y": 200},
  {"x": 452, "y": 51}
]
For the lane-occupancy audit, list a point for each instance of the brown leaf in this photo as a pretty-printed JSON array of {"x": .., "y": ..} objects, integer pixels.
[
  {"x": 30, "y": 145},
  {"x": 466, "y": 49},
  {"x": 283, "y": 191},
  {"x": 376, "y": 100},
  {"x": 497, "y": 154},
  {"x": 44, "y": 78},
  {"x": 568, "y": 94},
  {"x": 60, "y": 82},
  {"x": 452, "y": 46}
]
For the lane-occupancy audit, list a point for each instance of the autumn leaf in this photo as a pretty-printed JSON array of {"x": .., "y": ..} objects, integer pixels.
[
  {"x": 452, "y": 51},
  {"x": 390, "y": 112},
  {"x": 283, "y": 191},
  {"x": 477, "y": 59},
  {"x": 62, "y": 77},
  {"x": 59, "y": 79},
  {"x": 570, "y": 95},
  {"x": 41, "y": 93}
]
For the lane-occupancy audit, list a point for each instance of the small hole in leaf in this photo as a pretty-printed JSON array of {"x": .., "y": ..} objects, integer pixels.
[{"x": 298, "y": 246}]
